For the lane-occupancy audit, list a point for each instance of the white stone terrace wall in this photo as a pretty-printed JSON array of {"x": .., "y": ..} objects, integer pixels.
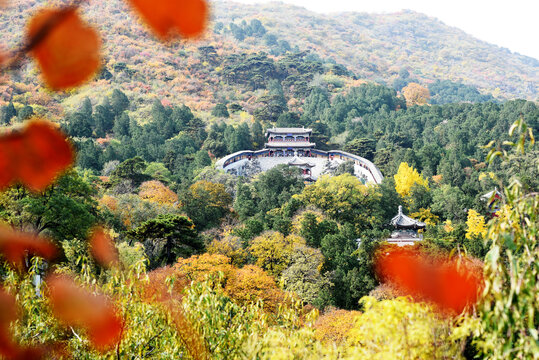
[{"x": 363, "y": 168}]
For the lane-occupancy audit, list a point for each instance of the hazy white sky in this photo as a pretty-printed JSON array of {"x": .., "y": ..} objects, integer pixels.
[{"x": 513, "y": 24}]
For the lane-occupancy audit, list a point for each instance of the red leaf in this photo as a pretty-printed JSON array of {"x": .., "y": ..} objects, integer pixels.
[
  {"x": 76, "y": 306},
  {"x": 68, "y": 54},
  {"x": 168, "y": 18},
  {"x": 8, "y": 314},
  {"x": 34, "y": 156},
  {"x": 451, "y": 283},
  {"x": 10, "y": 147},
  {"x": 460, "y": 285},
  {"x": 48, "y": 153},
  {"x": 103, "y": 249},
  {"x": 14, "y": 245}
]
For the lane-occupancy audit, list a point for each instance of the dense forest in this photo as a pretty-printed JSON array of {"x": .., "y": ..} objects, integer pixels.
[
  {"x": 155, "y": 187},
  {"x": 175, "y": 259}
]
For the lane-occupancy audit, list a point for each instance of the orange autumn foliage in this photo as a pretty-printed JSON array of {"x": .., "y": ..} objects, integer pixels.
[
  {"x": 244, "y": 285},
  {"x": 416, "y": 94},
  {"x": 155, "y": 191},
  {"x": 251, "y": 283},
  {"x": 197, "y": 267},
  {"x": 68, "y": 54},
  {"x": 109, "y": 202},
  {"x": 169, "y": 18},
  {"x": 34, "y": 156},
  {"x": 157, "y": 290},
  {"x": 75, "y": 306},
  {"x": 335, "y": 325},
  {"x": 454, "y": 284},
  {"x": 102, "y": 248},
  {"x": 15, "y": 245}
]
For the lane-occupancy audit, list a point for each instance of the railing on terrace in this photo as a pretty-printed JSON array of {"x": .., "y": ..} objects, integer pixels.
[{"x": 288, "y": 140}]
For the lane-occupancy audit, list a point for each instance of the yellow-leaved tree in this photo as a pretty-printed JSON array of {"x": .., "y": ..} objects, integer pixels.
[
  {"x": 402, "y": 329},
  {"x": 343, "y": 198},
  {"x": 416, "y": 94},
  {"x": 426, "y": 216},
  {"x": 230, "y": 246},
  {"x": 273, "y": 251},
  {"x": 155, "y": 191},
  {"x": 406, "y": 177},
  {"x": 475, "y": 225}
]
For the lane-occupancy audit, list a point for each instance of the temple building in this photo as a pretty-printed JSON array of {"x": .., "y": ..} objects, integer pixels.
[
  {"x": 407, "y": 230},
  {"x": 289, "y": 142},
  {"x": 282, "y": 144}
]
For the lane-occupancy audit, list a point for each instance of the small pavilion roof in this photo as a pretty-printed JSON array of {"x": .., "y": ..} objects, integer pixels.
[
  {"x": 494, "y": 194},
  {"x": 405, "y": 222},
  {"x": 298, "y": 162}
]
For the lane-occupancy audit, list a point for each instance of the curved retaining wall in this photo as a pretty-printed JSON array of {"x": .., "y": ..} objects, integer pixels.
[{"x": 377, "y": 176}]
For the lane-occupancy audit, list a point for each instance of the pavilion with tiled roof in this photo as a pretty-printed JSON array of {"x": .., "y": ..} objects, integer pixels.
[{"x": 406, "y": 229}]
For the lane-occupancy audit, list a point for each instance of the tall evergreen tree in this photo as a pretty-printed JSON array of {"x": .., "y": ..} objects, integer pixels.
[
  {"x": 86, "y": 107},
  {"x": 258, "y": 135},
  {"x": 8, "y": 112},
  {"x": 119, "y": 102}
]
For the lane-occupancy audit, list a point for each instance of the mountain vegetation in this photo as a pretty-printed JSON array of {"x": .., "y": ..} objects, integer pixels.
[{"x": 392, "y": 49}]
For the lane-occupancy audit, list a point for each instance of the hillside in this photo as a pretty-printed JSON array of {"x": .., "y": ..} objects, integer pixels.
[
  {"x": 377, "y": 46},
  {"x": 288, "y": 43}
]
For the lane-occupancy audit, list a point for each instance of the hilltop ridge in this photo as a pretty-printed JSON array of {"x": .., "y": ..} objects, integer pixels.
[{"x": 349, "y": 48}]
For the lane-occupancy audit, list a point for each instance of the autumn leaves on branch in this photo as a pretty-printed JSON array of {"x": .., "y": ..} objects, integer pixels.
[{"x": 67, "y": 51}]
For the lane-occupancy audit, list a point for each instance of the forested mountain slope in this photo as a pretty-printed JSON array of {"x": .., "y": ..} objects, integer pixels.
[
  {"x": 250, "y": 44},
  {"x": 377, "y": 46}
]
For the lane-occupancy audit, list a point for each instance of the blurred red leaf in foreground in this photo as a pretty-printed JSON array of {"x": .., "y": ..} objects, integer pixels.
[
  {"x": 68, "y": 52},
  {"x": 103, "y": 249},
  {"x": 14, "y": 245},
  {"x": 168, "y": 18},
  {"x": 451, "y": 283},
  {"x": 8, "y": 314},
  {"x": 156, "y": 290},
  {"x": 75, "y": 306},
  {"x": 34, "y": 156},
  {"x": 9, "y": 349}
]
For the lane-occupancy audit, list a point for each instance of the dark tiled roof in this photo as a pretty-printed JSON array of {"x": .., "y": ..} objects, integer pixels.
[{"x": 403, "y": 221}]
